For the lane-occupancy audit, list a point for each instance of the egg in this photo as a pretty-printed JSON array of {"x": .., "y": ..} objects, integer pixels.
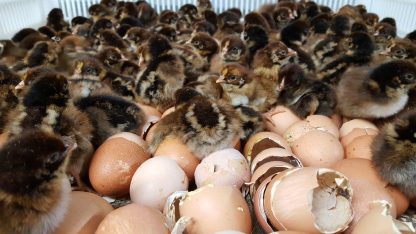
[
  {"x": 216, "y": 208},
  {"x": 85, "y": 212},
  {"x": 348, "y": 126},
  {"x": 266, "y": 170},
  {"x": 318, "y": 148},
  {"x": 152, "y": 116},
  {"x": 312, "y": 200},
  {"x": 114, "y": 163},
  {"x": 282, "y": 120},
  {"x": 258, "y": 203},
  {"x": 224, "y": 167},
  {"x": 155, "y": 180},
  {"x": 360, "y": 147},
  {"x": 178, "y": 151},
  {"x": 356, "y": 132},
  {"x": 261, "y": 141},
  {"x": 274, "y": 154},
  {"x": 133, "y": 219},
  {"x": 401, "y": 201}
]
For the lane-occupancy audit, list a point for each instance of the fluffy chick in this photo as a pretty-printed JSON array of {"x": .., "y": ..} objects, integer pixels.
[
  {"x": 228, "y": 23},
  {"x": 251, "y": 121},
  {"x": 242, "y": 87},
  {"x": 232, "y": 50},
  {"x": 34, "y": 190},
  {"x": 188, "y": 12},
  {"x": 393, "y": 153},
  {"x": 255, "y": 37},
  {"x": 204, "y": 45},
  {"x": 379, "y": 92},
  {"x": 8, "y": 95},
  {"x": 136, "y": 36},
  {"x": 206, "y": 85},
  {"x": 401, "y": 49},
  {"x": 204, "y": 125},
  {"x": 56, "y": 20}
]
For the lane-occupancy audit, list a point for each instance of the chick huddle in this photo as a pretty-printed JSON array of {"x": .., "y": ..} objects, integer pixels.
[{"x": 74, "y": 84}]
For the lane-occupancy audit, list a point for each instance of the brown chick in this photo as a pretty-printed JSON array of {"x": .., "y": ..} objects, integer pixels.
[
  {"x": 232, "y": 50},
  {"x": 42, "y": 54},
  {"x": 228, "y": 23},
  {"x": 34, "y": 189},
  {"x": 206, "y": 85},
  {"x": 10, "y": 53},
  {"x": 377, "y": 92},
  {"x": 204, "y": 45},
  {"x": 56, "y": 20},
  {"x": 401, "y": 49},
  {"x": 242, "y": 87},
  {"x": 394, "y": 152},
  {"x": 204, "y": 125},
  {"x": 137, "y": 36},
  {"x": 8, "y": 94}
]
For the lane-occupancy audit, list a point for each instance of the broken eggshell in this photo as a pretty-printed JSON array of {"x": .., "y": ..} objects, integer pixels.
[
  {"x": 281, "y": 120},
  {"x": 261, "y": 141},
  {"x": 347, "y": 139},
  {"x": 312, "y": 200},
  {"x": 224, "y": 167},
  {"x": 274, "y": 154},
  {"x": 348, "y": 126},
  {"x": 360, "y": 147}
]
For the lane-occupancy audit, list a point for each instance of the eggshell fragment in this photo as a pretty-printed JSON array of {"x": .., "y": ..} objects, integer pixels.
[
  {"x": 274, "y": 154},
  {"x": 115, "y": 162},
  {"x": 266, "y": 170},
  {"x": 356, "y": 132},
  {"x": 152, "y": 116},
  {"x": 319, "y": 197},
  {"x": 281, "y": 120},
  {"x": 133, "y": 219},
  {"x": 155, "y": 180},
  {"x": 318, "y": 148},
  {"x": 348, "y": 126},
  {"x": 261, "y": 141},
  {"x": 178, "y": 151},
  {"x": 258, "y": 203},
  {"x": 224, "y": 167},
  {"x": 216, "y": 208},
  {"x": 85, "y": 212},
  {"x": 360, "y": 147}
]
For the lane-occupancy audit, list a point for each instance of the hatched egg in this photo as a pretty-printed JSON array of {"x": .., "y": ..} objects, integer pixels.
[
  {"x": 282, "y": 120},
  {"x": 348, "y": 126},
  {"x": 261, "y": 141}
]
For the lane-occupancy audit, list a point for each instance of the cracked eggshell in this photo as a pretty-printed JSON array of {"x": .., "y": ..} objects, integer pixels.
[
  {"x": 264, "y": 171},
  {"x": 114, "y": 163},
  {"x": 155, "y": 180},
  {"x": 318, "y": 148},
  {"x": 261, "y": 141},
  {"x": 216, "y": 208},
  {"x": 274, "y": 154},
  {"x": 152, "y": 116},
  {"x": 226, "y": 167},
  {"x": 258, "y": 203},
  {"x": 357, "y": 132},
  {"x": 348, "y": 126},
  {"x": 282, "y": 120},
  {"x": 360, "y": 147},
  {"x": 133, "y": 219},
  {"x": 312, "y": 200}
]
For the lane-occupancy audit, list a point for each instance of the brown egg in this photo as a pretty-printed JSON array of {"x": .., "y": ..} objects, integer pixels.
[
  {"x": 261, "y": 141},
  {"x": 115, "y": 162},
  {"x": 356, "y": 132},
  {"x": 360, "y": 147},
  {"x": 402, "y": 202},
  {"x": 152, "y": 116},
  {"x": 312, "y": 200},
  {"x": 3, "y": 138},
  {"x": 281, "y": 121},
  {"x": 216, "y": 208},
  {"x": 155, "y": 180},
  {"x": 133, "y": 219},
  {"x": 318, "y": 148},
  {"x": 348, "y": 126},
  {"x": 359, "y": 168},
  {"x": 85, "y": 212},
  {"x": 379, "y": 220},
  {"x": 178, "y": 151}
]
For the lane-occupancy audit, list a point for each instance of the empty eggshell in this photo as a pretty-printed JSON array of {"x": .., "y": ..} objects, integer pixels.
[
  {"x": 85, "y": 212},
  {"x": 224, "y": 167},
  {"x": 155, "y": 180},
  {"x": 115, "y": 162},
  {"x": 152, "y": 116},
  {"x": 266, "y": 170},
  {"x": 258, "y": 203},
  {"x": 318, "y": 148},
  {"x": 348, "y": 126},
  {"x": 133, "y": 219},
  {"x": 261, "y": 141},
  {"x": 274, "y": 154},
  {"x": 312, "y": 200},
  {"x": 178, "y": 151},
  {"x": 356, "y": 132},
  {"x": 360, "y": 147},
  {"x": 216, "y": 208},
  {"x": 282, "y": 120}
]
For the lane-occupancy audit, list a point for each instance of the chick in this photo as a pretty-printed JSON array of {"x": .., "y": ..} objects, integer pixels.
[
  {"x": 188, "y": 12},
  {"x": 282, "y": 16},
  {"x": 228, "y": 23},
  {"x": 33, "y": 186},
  {"x": 378, "y": 92},
  {"x": 251, "y": 121},
  {"x": 204, "y": 26},
  {"x": 393, "y": 153},
  {"x": 383, "y": 36},
  {"x": 111, "y": 58},
  {"x": 204, "y": 45},
  {"x": 109, "y": 115},
  {"x": 168, "y": 17},
  {"x": 10, "y": 53},
  {"x": 56, "y": 20},
  {"x": 204, "y": 125},
  {"x": 242, "y": 87},
  {"x": 42, "y": 54},
  {"x": 194, "y": 63},
  {"x": 401, "y": 49},
  {"x": 146, "y": 13},
  {"x": 22, "y": 34},
  {"x": 48, "y": 31},
  {"x": 137, "y": 36},
  {"x": 109, "y": 38},
  {"x": 166, "y": 30},
  {"x": 8, "y": 95},
  {"x": 411, "y": 36},
  {"x": 255, "y": 38},
  {"x": 164, "y": 73},
  {"x": 255, "y": 18},
  {"x": 99, "y": 26},
  {"x": 232, "y": 50},
  {"x": 206, "y": 85},
  {"x": 303, "y": 95},
  {"x": 203, "y": 5}
]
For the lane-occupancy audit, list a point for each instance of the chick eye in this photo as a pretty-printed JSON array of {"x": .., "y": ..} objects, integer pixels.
[
  {"x": 409, "y": 76},
  {"x": 283, "y": 52},
  {"x": 108, "y": 25},
  {"x": 232, "y": 78},
  {"x": 196, "y": 43},
  {"x": 398, "y": 52},
  {"x": 90, "y": 70},
  {"x": 112, "y": 57},
  {"x": 234, "y": 49}
]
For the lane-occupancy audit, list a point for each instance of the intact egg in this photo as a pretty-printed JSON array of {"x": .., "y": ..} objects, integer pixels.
[
  {"x": 312, "y": 200},
  {"x": 348, "y": 126},
  {"x": 115, "y": 162},
  {"x": 224, "y": 167},
  {"x": 360, "y": 147},
  {"x": 178, "y": 151},
  {"x": 85, "y": 212},
  {"x": 356, "y": 132},
  {"x": 318, "y": 148},
  {"x": 155, "y": 180},
  {"x": 133, "y": 219},
  {"x": 216, "y": 208},
  {"x": 281, "y": 120},
  {"x": 261, "y": 141}
]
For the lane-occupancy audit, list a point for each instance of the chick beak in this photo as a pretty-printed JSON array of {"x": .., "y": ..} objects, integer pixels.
[
  {"x": 220, "y": 80},
  {"x": 281, "y": 86},
  {"x": 291, "y": 53},
  {"x": 20, "y": 85}
]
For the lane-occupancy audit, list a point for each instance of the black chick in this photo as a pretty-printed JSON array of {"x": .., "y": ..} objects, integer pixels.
[
  {"x": 303, "y": 95},
  {"x": 146, "y": 13},
  {"x": 99, "y": 26},
  {"x": 255, "y": 18},
  {"x": 393, "y": 153},
  {"x": 34, "y": 190},
  {"x": 42, "y": 54},
  {"x": 204, "y": 125},
  {"x": 166, "y": 30},
  {"x": 251, "y": 121},
  {"x": 282, "y": 16},
  {"x": 56, "y": 20},
  {"x": 111, "y": 114},
  {"x": 97, "y": 11},
  {"x": 228, "y": 23},
  {"x": 204, "y": 26},
  {"x": 8, "y": 95},
  {"x": 255, "y": 38},
  {"x": 411, "y": 36},
  {"x": 163, "y": 75},
  {"x": 379, "y": 92}
]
